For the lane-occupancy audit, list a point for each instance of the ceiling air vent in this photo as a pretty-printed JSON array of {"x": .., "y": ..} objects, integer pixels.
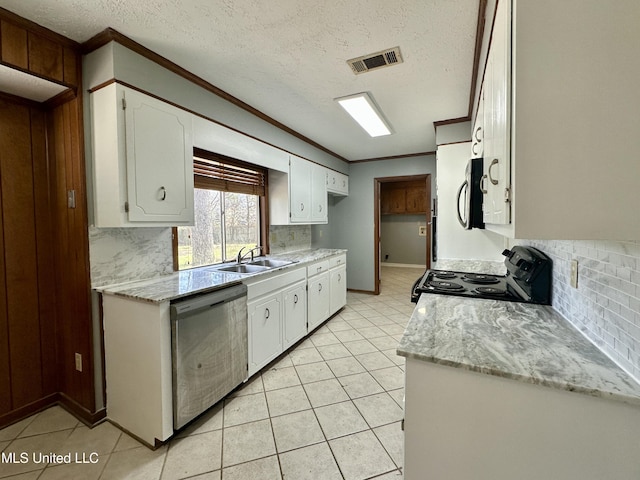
[{"x": 385, "y": 58}]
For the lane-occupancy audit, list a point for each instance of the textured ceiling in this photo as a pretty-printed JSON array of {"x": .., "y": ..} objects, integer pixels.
[{"x": 287, "y": 57}]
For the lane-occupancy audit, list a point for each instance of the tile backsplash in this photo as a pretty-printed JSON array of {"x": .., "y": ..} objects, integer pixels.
[
  {"x": 120, "y": 255},
  {"x": 606, "y": 304},
  {"x": 289, "y": 238}
]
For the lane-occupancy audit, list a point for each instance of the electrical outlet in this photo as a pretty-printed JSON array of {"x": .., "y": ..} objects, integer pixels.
[
  {"x": 574, "y": 273},
  {"x": 78, "y": 362},
  {"x": 422, "y": 230}
]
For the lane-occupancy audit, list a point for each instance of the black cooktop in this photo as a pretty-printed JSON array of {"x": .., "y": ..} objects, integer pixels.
[
  {"x": 528, "y": 279},
  {"x": 467, "y": 285}
]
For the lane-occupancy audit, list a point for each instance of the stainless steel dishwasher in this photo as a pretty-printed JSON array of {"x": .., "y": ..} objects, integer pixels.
[{"x": 209, "y": 350}]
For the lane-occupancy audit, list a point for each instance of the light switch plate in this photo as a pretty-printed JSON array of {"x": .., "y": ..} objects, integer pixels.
[{"x": 574, "y": 273}]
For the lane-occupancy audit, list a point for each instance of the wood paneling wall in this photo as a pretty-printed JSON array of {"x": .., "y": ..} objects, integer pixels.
[
  {"x": 29, "y": 313},
  {"x": 34, "y": 49},
  {"x": 72, "y": 254},
  {"x": 45, "y": 303}
]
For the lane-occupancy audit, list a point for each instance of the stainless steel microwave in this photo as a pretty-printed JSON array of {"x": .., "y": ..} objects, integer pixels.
[{"x": 469, "y": 198}]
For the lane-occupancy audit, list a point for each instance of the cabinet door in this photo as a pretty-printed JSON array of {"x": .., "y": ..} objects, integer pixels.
[
  {"x": 159, "y": 150},
  {"x": 416, "y": 200},
  {"x": 300, "y": 190},
  {"x": 338, "y": 288},
  {"x": 477, "y": 144},
  {"x": 318, "y": 299},
  {"x": 318, "y": 194},
  {"x": 294, "y": 321},
  {"x": 337, "y": 183},
  {"x": 497, "y": 160},
  {"x": 393, "y": 200},
  {"x": 265, "y": 336},
  {"x": 343, "y": 184}
]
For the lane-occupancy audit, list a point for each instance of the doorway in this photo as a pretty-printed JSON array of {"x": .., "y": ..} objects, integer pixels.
[{"x": 404, "y": 195}]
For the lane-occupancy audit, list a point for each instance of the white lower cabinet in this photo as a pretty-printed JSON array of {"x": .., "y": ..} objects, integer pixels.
[
  {"x": 319, "y": 292},
  {"x": 277, "y": 316},
  {"x": 505, "y": 429},
  {"x": 337, "y": 288},
  {"x": 284, "y": 307},
  {"x": 294, "y": 319},
  {"x": 265, "y": 331}
]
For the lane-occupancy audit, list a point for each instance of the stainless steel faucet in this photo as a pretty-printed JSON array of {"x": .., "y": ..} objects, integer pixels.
[{"x": 241, "y": 257}]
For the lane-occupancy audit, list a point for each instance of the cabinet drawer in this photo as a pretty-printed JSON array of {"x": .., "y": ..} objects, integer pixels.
[
  {"x": 270, "y": 283},
  {"x": 337, "y": 261},
  {"x": 318, "y": 267}
]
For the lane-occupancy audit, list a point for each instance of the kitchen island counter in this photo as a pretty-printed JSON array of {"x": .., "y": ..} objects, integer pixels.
[
  {"x": 528, "y": 343},
  {"x": 502, "y": 390}
]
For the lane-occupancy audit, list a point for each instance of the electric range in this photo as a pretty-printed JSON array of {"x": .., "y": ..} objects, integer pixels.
[{"x": 528, "y": 280}]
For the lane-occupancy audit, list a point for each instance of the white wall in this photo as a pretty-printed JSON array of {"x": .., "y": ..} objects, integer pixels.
[
  {"x": 352, "y": 218},
  {"x": 454, "y": 242},
  {"x": 400, "y": 239}
]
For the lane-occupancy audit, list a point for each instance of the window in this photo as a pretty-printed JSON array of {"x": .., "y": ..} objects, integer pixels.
[{"x": 230, "y": 206}]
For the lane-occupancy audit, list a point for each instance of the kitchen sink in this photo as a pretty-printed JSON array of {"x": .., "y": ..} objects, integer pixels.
[
  {"x": 244, "y": 268},
  {"x": 270, "y": 263}
]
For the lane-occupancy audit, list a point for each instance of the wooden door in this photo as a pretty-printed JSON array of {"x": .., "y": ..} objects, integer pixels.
[{"x": 27, "y": 289}]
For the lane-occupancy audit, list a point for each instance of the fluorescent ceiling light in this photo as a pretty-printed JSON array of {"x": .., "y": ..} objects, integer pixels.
[{"x": 364, "y": 111}]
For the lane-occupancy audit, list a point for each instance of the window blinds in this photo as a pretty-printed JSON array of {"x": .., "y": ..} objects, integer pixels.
[{"x": 216, "y": 172}]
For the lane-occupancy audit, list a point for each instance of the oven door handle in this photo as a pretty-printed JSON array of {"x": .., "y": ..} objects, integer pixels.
[{"x": 462, "y": 187}]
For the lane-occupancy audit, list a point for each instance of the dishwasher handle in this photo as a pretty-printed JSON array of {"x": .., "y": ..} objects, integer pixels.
[{"x": 192, "y": 305}]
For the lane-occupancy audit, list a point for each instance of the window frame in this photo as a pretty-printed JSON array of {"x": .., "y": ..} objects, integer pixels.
[{"x": 202, "y": 183}]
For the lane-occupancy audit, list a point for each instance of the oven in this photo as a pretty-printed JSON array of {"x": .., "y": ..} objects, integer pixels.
[{"x": 528, "y": 280}]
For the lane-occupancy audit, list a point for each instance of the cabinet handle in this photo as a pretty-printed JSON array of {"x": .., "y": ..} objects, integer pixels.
[
  {"x": 339, "y": 277},
  {"x": 295, "y": 299},
  {"x": 344, "y": 183},
  {"x": 334, "y": 180},
  {"x": 163, "y": 192},
  {"x": 478, "y": 130},
  {"x": 319, "y": 208},
  {"x": 473, "y": 149},
  {"x": 319, "y": 287},
  {"x": 319, "y": 269},
  {"x": 267, "y": 313},
  {"x": 494, "y": 162},
  {"x": 482, "y": 189},
  {"x": 302, "y": 207}
]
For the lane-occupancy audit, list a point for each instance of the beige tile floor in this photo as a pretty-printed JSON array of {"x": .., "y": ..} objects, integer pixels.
[{"x": 328, "y": 409}]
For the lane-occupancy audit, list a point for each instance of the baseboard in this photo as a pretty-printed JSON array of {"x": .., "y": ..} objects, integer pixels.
[
  {"x": 25, "y": 411},
  {"x": 86, "y": 416},
  {"x": 402, "y": 265},
  {"x": 354, "y": 290}
]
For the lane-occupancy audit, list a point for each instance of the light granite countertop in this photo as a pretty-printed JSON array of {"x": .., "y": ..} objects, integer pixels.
[
  {"x": 204, "y": 279},
  {"x": 525, "y": 342}
]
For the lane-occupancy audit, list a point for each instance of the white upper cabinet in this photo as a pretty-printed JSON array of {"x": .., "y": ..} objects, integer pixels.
[
  {"x": 142, "y": 160},
  {"x": 560, "y": 101},
  {"x": 497, "y": 162},
  {"x": 318, "y": 194},
  {"x": 299, "y": 197},
  {"x": 337, "y": 183},
  {"x": 477, "y": 136},
  {"x": 300, "y": 190}
]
